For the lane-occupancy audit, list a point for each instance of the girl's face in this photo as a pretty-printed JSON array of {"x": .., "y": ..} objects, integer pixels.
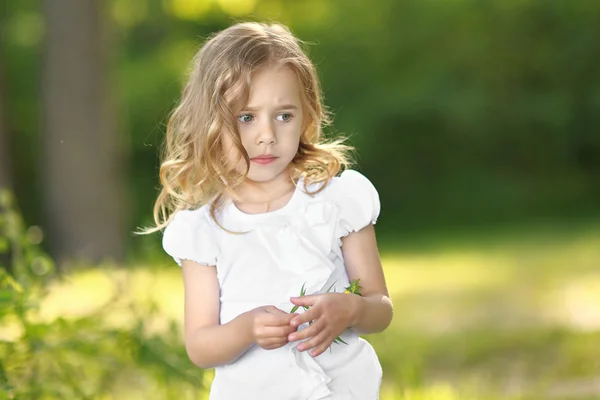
[{"x": 270, "y": 124}]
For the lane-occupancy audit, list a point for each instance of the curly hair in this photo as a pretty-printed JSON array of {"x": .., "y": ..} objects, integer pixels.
[{"x": 195, "y": 169}]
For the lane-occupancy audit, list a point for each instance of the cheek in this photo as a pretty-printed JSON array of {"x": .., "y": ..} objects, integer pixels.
[
  {"x": 296, "y": 127},
  {"x": 291, "y": 140}
]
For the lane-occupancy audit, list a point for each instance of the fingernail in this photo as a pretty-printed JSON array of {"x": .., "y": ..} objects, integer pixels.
[
  {"x": 300, "y": 347},
  {"x": 313, "y": 353},
  {"x": 291, "y": 338}
]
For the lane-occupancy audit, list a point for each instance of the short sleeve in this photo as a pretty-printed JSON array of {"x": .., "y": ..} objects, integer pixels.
[
  {"x": 358, "y": 202},
  {"x": 190, "y": 236}
]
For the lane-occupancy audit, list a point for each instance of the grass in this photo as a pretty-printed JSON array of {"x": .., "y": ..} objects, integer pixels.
[{"x": 516, "y": 317}]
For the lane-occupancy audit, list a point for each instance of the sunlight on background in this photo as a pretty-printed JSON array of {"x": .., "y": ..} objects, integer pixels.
[
  {"x": 187, "y": 9},
  {"x": 312, "y": 13},
  {"x": 194, "y": 10},
  {"x": 237, "y": 8},
  {"x": 576, "y": 303},
  {"x": 431, "y": 291},
  {"x": 440, "y": 296}
]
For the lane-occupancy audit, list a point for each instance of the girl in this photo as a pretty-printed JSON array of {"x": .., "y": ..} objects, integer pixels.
[{"x": 254, "y": 213}]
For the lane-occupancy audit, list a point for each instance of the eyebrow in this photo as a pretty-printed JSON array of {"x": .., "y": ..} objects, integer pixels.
[{"x": 281, "y": 107}]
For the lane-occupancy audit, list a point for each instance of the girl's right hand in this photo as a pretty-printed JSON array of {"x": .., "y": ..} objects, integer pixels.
[{"x": 270, "y": 327}]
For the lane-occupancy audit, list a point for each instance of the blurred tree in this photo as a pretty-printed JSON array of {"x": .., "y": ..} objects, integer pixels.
[
  {"x": 486, "y": 110},
  {"x": 82, "y": 165}
]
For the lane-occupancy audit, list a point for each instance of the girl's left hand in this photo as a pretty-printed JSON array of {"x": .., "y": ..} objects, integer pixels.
[{"x": 332, "y": 314}]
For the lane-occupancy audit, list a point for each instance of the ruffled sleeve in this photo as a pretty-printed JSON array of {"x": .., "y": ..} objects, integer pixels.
[
  {"x": 190, "y": 236},
  {"x": 358, "y": 202}
]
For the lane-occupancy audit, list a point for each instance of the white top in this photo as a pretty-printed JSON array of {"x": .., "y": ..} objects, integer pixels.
[{"x": 278, "y": 253}]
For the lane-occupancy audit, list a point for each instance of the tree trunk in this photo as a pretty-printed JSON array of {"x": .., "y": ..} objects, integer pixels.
[{"x": 82, "y": 165}]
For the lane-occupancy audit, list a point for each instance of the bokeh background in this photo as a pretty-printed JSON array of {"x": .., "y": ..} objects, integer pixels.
[{"x": 478, "y": 122}]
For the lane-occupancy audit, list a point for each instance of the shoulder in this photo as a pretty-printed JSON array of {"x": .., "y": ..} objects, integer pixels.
[
  {"x": 356, "y": 199},
  {"x": 191, "y": 235},
  {"x": 185, "y": 220},
  {"x": 350, "y": 186},
  {"x": 350, "y": 181}
]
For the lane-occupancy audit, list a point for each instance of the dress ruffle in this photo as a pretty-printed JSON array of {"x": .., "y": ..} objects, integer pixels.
[{"x": 301, "y": 243}]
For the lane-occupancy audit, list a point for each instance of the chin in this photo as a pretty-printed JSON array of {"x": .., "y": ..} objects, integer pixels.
[
  {"x": 261, "y": 177},
  {"x": 265, "y": 175}
]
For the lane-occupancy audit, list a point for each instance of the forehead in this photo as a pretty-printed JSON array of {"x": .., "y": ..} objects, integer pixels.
[{"x": 274, "y": 84}]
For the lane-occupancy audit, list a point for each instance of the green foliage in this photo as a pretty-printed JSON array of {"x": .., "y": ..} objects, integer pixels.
[
  {"x": 480, "y": 110},
  {"x": 513, "y": 319},
  {"x": 75, "y": 357}
]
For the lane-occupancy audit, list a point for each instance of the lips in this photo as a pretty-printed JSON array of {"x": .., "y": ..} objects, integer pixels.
[{"x": 264, "y": 159}]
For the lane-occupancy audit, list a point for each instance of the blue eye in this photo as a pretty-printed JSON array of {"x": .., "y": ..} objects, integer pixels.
[
  {"x": 245, "y": 118},
  {"x": 284, "y": 117}
]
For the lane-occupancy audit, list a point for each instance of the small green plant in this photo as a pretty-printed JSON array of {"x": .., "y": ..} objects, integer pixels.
[
  {"x": 354, "y": 288},
  {"x": 82, "y": 357}
]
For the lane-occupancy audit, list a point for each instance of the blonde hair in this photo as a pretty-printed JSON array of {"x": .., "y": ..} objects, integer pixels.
[{"x": 195, "y": 169}]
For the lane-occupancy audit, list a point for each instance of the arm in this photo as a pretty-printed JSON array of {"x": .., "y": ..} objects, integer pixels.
[
  {"x": 210, "y": 344},
  {"x": 333, "y": 313},
  {"x": 373, "y": 312},
  {"x": 206, "y": 341}
]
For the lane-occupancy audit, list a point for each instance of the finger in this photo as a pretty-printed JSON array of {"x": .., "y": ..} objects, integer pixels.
[
  {"x": 271, "y": 344},
  {"x": 310, "y": 315},
  {"x": 276, "y": 331},
  {"x": 320, "y": 348},
  {"x": 304, "y": 300},
  {"x": 280, "y": 318},
  {"x": 274, "y": 310},
  {"x": 271, "y": 309},
  {"x": 312, "y": 330},
  {"x": 315, "y": 341},
  {"x": 290, "y": 329}
]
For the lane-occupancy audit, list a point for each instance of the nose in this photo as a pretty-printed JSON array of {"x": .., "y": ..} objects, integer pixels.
[{"x": 266, "y": 134}]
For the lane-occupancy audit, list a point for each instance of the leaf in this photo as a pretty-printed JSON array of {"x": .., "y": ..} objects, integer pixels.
[
  {"x": 302, "y": 293},
  {"x": 339, "y": 339},
  {"x": 330, "y": 287},
  {"x": 354, "y": 288}
]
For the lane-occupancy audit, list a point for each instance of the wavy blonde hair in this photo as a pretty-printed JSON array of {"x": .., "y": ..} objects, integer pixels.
[{"x": 195, "y": 169}]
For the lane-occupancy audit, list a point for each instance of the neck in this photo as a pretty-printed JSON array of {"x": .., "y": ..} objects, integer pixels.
[{"x": 253, "y": 192}]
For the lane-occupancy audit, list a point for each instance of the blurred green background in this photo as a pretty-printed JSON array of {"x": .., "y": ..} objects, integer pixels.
[{"x": 478, "y": 122}]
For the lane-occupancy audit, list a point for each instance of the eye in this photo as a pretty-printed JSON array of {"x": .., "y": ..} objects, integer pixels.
[
  {"x": 284, "y": 117},
  {"x": 245, "y": 118}
]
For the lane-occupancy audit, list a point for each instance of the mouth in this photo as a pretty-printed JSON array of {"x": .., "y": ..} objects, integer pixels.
[{"x": 264, "y": 159}]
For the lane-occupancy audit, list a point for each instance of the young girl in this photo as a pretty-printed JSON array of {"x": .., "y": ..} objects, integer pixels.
[{"x": 254, "y": 213}]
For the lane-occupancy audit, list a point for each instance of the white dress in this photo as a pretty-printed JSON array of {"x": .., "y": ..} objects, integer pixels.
[{"x": 299, "y": 244}]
